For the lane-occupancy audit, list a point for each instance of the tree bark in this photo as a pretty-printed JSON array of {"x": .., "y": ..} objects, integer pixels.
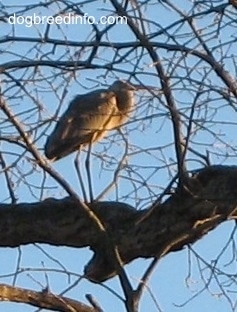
[
  {"x": 209, "y": 199},
  {"x": 42, "y": 299}
]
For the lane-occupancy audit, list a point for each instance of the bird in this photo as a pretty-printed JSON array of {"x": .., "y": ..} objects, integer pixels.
[{"x": 89, "y": 117}]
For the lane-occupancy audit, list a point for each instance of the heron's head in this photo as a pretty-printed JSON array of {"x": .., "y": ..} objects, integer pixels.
[{"x": 122, "y": 85}]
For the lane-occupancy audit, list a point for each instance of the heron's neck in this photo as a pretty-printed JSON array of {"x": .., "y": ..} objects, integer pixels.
[{"x": 125, "y": 100}]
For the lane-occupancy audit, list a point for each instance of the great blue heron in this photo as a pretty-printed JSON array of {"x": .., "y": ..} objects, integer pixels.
[{"x": 89, "y": 117}]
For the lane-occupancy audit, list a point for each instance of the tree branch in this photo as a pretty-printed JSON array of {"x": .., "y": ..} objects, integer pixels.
[
  {"x": 42, "y": 299},
  {"x": 182, "y": 219}
]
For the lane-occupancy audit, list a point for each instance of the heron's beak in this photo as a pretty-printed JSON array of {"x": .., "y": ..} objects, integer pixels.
[
  {"x": 137, "y": 87},
  {"x": 134, "y": 87}
]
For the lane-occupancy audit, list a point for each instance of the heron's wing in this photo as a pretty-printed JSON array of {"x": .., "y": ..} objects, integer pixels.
[
  {"x": 87, "y": 117},
  {"x": 87, "y": 114}
]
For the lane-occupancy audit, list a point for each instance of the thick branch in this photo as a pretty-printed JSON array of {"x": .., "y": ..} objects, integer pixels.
[
  {"x": 184, "y": 218},
  {"x": 42, "y": 299}
]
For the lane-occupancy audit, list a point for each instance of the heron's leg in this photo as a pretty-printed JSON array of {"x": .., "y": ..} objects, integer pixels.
[
  {"x": 77, "y": 166},
  {"x": 87, "y": 165}
]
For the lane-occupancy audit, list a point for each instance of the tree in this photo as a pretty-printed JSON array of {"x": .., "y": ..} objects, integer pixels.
[{"x": 160, "y": 184}]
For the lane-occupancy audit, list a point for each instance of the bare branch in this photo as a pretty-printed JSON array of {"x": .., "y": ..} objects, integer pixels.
[
  {"x": 183, "y": 219},
  {"x": 43, "y": 299}
]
